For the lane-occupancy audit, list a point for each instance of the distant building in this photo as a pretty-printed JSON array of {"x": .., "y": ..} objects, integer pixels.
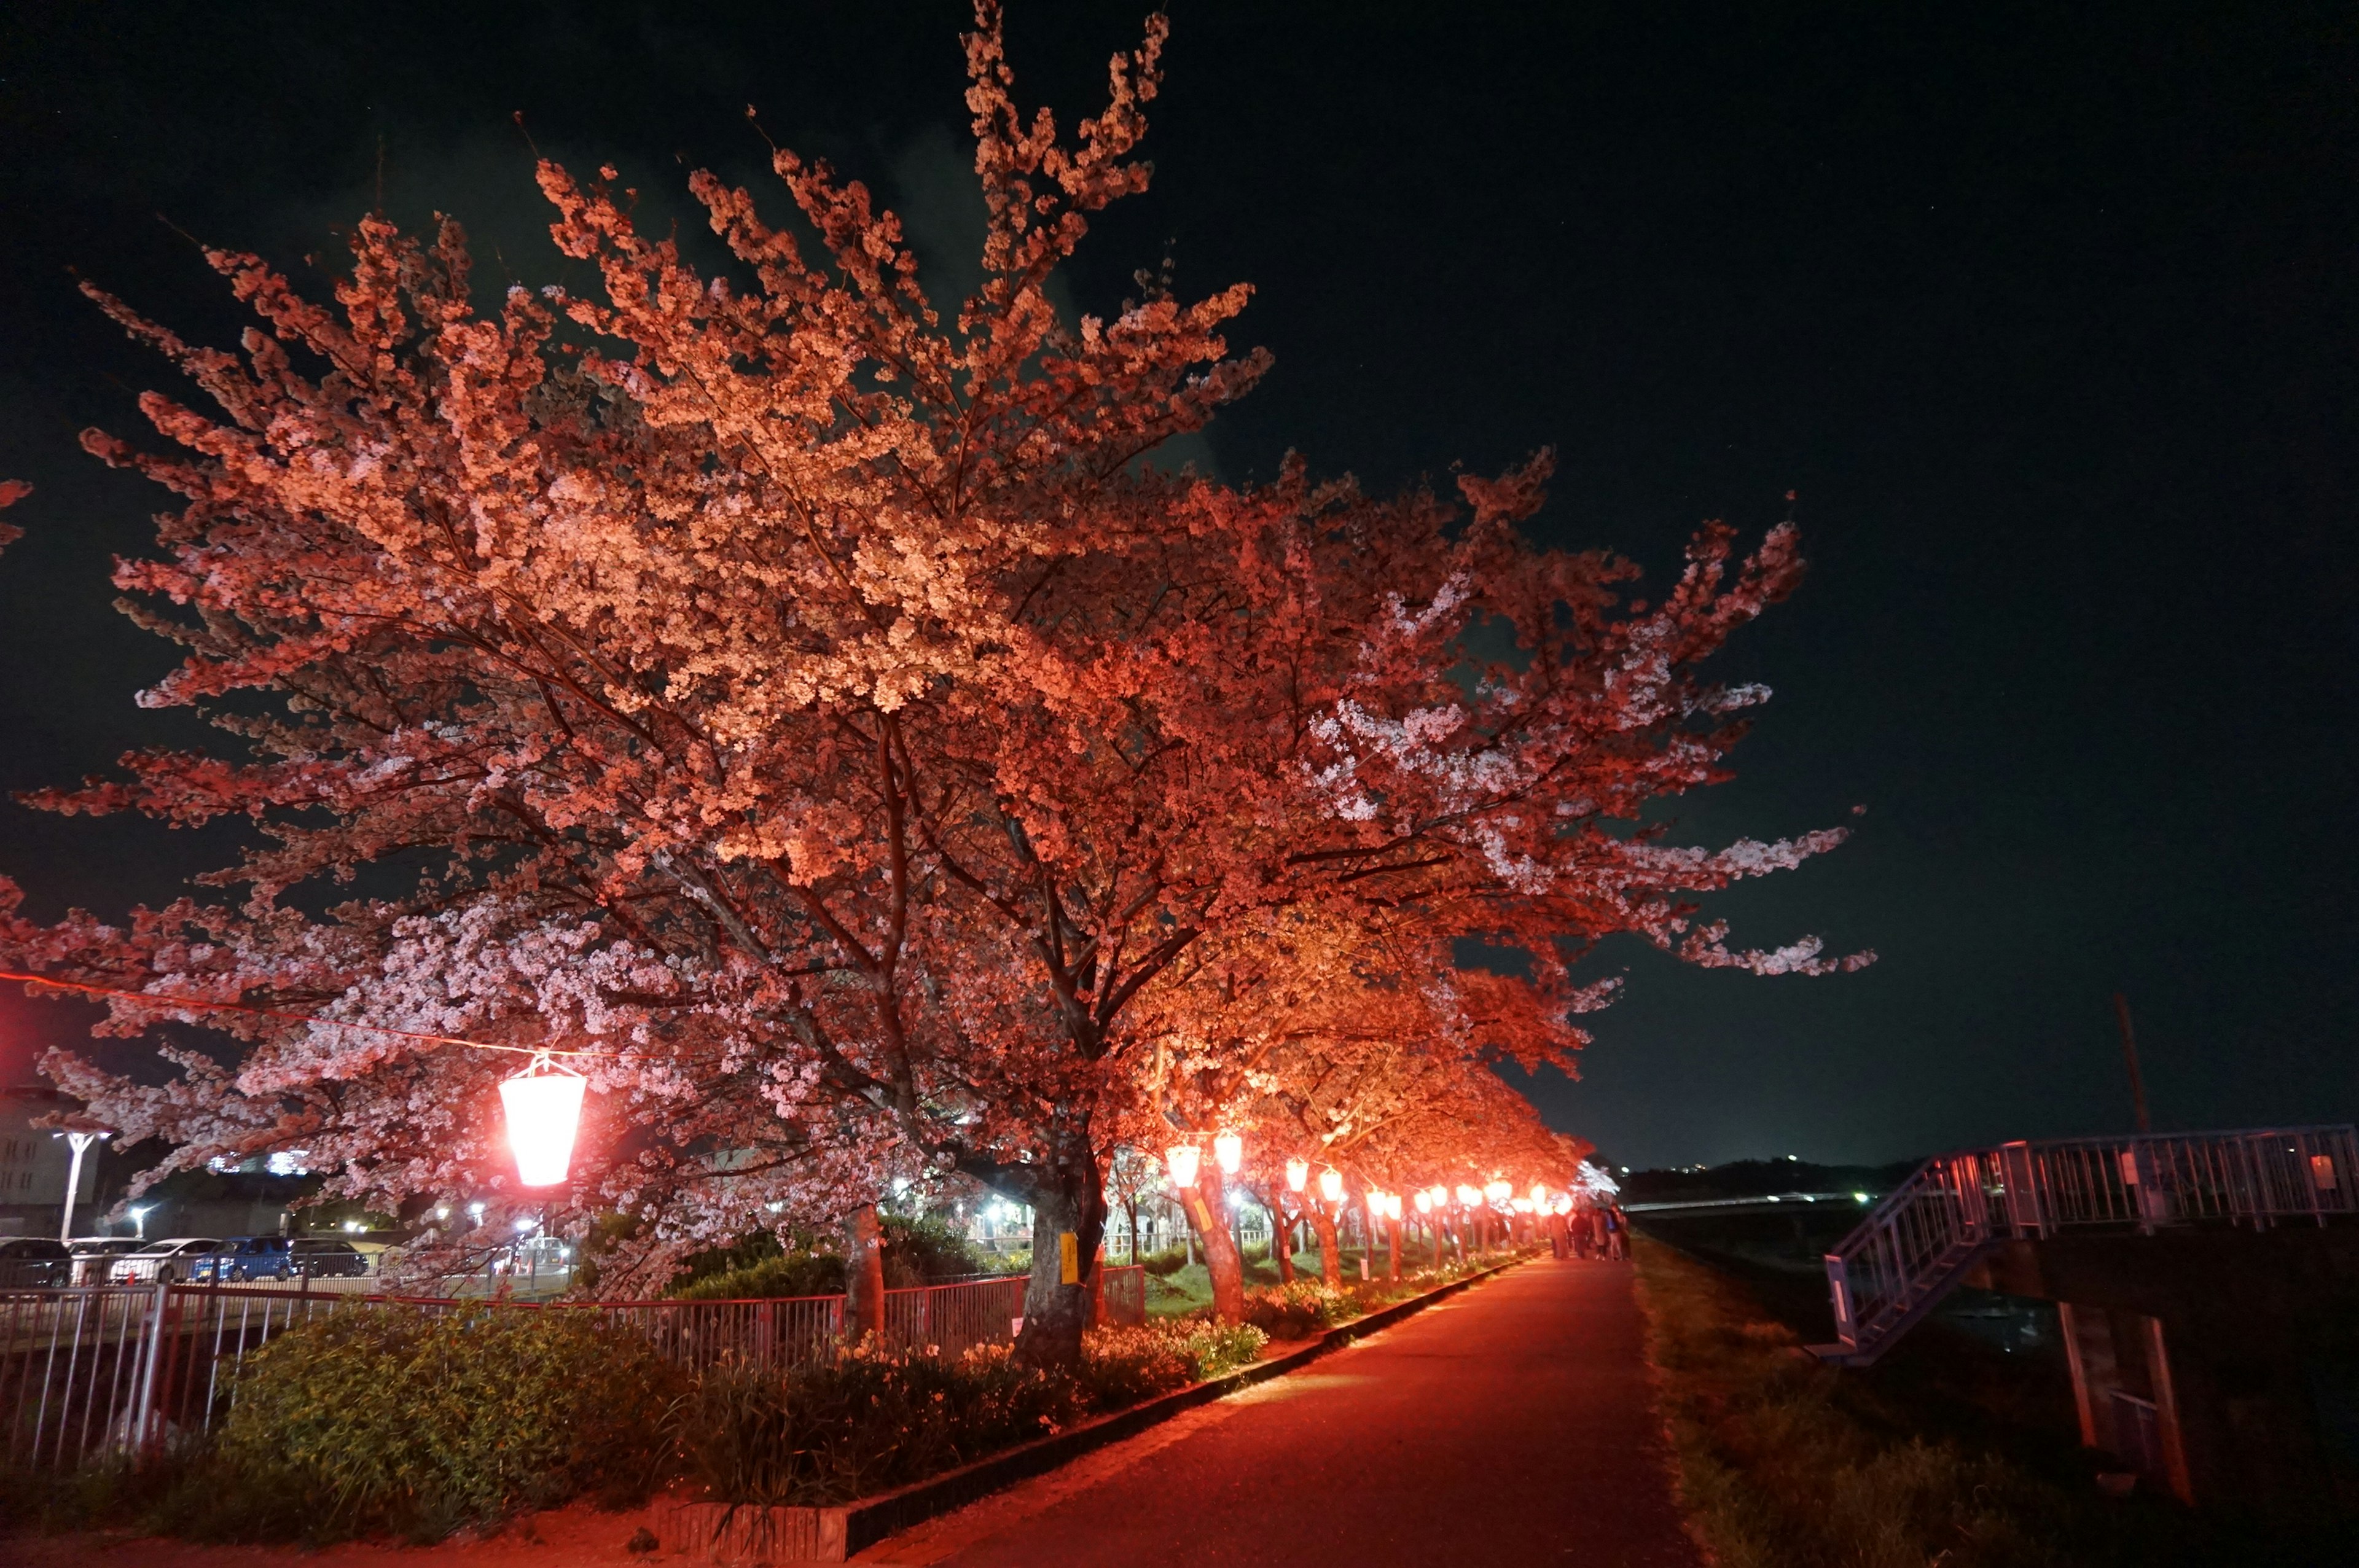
[{"x": 33, "y": 1162}]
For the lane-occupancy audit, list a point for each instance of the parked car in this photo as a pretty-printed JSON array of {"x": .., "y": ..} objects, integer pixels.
[
  {"x": 164, "y": 1262},
  {"x": 35, "y": 1260},
  {"x": 326, "y": 1257},
  {"x": 95, "y": 1255},
  {"x": 243, "y": 1258}
]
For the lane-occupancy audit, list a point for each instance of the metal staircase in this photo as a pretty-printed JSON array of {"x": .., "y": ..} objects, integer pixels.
[{"x": 1915, "y": 1247}]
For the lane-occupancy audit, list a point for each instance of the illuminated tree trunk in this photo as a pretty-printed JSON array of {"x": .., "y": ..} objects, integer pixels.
[
  {"x": 864, "y": 1276},
  {"x": 1281, "y": 1241},
  {"x": 1207, "y": 1217},
  {"x": 1392, "y": 1250},
  {"x": 1331, "y": 1255},
  {"x": 1069, "y": 1216}
]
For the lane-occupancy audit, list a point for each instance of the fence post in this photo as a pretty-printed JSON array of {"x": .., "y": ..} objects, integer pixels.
[{"x": 151, "y": 1359}]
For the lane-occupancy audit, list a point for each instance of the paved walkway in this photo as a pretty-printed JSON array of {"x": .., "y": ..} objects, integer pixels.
[{"x": 1510, "y": 1424}]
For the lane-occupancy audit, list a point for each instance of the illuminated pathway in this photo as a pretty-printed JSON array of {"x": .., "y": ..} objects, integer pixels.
[{"x": 1507, "y": 1425}]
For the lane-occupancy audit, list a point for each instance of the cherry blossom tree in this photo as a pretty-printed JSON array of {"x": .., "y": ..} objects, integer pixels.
[{"x": 818, "y": 714}]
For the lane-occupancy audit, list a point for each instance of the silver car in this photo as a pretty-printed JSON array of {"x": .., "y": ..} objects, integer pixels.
[
  {"x": 161, "y": 1262},
  {"x": 93, "y": 1254}
]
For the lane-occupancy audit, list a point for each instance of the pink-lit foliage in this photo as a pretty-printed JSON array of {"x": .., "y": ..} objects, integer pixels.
[{"x": 821, "y": 713}]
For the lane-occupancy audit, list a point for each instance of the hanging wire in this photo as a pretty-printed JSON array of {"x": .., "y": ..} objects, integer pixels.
[{"x": 541, "y": 1055}]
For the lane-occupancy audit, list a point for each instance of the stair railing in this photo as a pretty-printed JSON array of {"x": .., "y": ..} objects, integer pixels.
[{"x": 1912, "y": 1247}]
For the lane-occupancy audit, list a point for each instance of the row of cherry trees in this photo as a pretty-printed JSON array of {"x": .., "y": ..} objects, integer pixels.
[{"x": 817, "y": 710}]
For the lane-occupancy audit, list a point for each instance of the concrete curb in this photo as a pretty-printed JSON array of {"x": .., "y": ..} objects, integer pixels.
[{"x": 871, "y": 1521}]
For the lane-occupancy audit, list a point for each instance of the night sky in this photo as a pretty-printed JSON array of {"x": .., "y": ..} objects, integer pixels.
[{"x": 2046, "y": 313}]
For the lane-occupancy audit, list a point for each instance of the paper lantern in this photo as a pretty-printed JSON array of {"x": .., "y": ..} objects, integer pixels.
[
  {"x": 1330, "y": 1185},
  {"x": 1425, "y": 1202},
  {"x": 1440, "y": 1196},
  {"x": 1375, "y": 1203},
  {"x": 1230, "y": 1150},
  {"x": 544, "y": 1111},
  {"x": 1539, "y": 1195},
  {"x": 1468, "y": 1196},
  {"x": 1298, "y": 1175},
  {"x": 1183, "y": 1158},
  {"x": 1392, "y": 1205},
  {"x": 1498, "y": 1192}
]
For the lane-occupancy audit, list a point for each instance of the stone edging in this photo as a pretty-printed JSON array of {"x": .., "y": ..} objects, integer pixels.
[{"x": 871, "y": 1521}]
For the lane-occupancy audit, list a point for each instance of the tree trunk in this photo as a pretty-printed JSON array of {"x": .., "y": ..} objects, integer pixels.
[
  {"x": 1281, "y": 1241},
  {"x": 1331, "y": 1257},
  {"x": 1207, "y": 1217},
  {"x": 1069, "y": 1216},
  {"x": 1392, "y": 1250},
  {"x": 864, "y": 1276}
]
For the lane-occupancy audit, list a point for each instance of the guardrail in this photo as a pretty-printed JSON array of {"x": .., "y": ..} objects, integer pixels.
[
  {"x": 1913, "y": 1248},
  {"x": 88, "y": 1371}
]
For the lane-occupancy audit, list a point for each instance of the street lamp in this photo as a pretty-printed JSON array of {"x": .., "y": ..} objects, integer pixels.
[
  {"x": 139, "y": 1218},
  {"x": 79, "y": 1142},
  {"x": 1230, "y": 1150}
]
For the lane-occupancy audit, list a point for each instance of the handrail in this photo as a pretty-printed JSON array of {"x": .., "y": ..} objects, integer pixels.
[{"x": 1912, "y": 1247}]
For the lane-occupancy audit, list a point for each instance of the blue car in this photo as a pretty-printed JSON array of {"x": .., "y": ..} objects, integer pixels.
[{"x": 244, "y": 1258}]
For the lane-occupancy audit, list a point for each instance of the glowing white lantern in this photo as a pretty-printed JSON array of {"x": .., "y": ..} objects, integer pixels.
[
  {"x": 1539, "y": 1194},
  {"x": 1440, "y": 1196},
  {"x": 1297, "y": 1173},
  {"x": 1330, "y": 1185},
  {"x": 1468, "y": 1196},
  {"x": 1183, "y": 1158},
  {"x": 1392, "y": 1205},
  {"x": 1498, "y": 1192},
  {"x": 1425, "y": 1202},
  {"x": 1522, "y": 1206},
  {"x": 544, "y": 1111},
  {"x": 1230, "y": 1150}
]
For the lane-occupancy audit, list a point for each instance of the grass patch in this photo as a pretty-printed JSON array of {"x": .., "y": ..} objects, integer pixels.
[{"x": 1786, "y": 1463}]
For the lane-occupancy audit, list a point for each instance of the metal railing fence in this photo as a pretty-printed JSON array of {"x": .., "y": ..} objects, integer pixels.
[
  {"x": 90, "y": 1370},
  {"x": 1912, "y": 1246}
]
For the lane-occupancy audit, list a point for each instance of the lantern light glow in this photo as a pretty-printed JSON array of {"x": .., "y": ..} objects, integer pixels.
[
  {"x": 544, "y": 1112},
  {"x": 1469, "y": 1196},
  {"x": 1298, "y": 1175},
  {"x": 1425, "y": 1202},
  {"x": 1539, "y": 1194},
  {"x": 1230, "y": 1150},
  {"x": 1330, "y": 1185},
  {"x": 1392, "y": 1205},
  {"x": 1498, "y": 1192},
  {"x": 1183, "y": 1159}
]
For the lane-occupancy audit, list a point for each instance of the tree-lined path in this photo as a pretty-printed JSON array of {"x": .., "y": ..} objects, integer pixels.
[{"x": 1511, "y": 1424}]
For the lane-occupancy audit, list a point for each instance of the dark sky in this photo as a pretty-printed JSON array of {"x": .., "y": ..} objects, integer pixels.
[{"x": 2046, "y": 313}]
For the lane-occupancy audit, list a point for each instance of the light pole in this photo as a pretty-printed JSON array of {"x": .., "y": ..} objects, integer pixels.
[
  {"x": 139, "y": 1218},
  {"x": 79, "y": 1142}
]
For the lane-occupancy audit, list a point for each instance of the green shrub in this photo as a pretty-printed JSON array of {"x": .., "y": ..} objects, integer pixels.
[
  {"x": 866, "y": 1422},
  {"x": 393, "y": 1418},
  {"x": 1169, "y": 1261},
  {"x": 779, "y": 1275},
  {"x": 923, "y": 1248}
]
